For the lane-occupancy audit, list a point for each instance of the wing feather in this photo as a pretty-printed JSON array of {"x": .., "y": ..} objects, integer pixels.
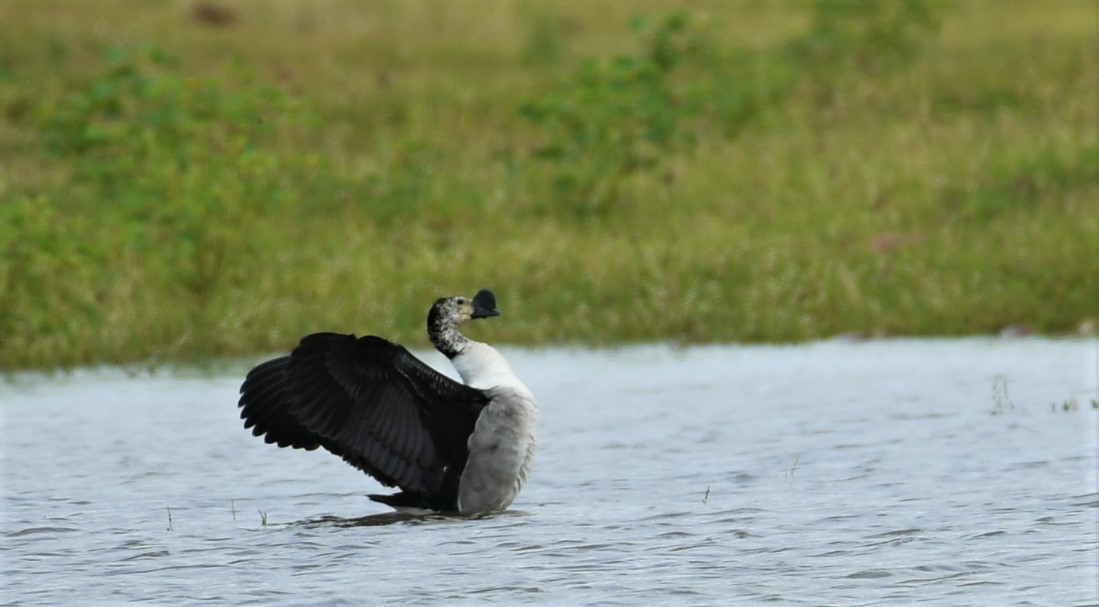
[
  {"x": 369, "y": 401},
  {"x": 264, "y": 408}
]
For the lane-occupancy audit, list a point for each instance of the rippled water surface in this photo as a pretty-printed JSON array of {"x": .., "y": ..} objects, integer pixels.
[{"x": 953, "y": 472}]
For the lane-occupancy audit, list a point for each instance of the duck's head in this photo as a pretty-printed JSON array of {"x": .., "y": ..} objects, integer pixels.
[{"x": 458, "y": 310}]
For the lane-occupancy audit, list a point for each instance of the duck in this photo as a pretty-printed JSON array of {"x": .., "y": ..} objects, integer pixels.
[{"x": 449, "y": 447}]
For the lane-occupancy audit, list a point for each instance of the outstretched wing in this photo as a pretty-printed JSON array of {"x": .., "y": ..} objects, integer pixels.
[
  {"x": 265, "y": 407},
  {"x": 369, "y": 401}
]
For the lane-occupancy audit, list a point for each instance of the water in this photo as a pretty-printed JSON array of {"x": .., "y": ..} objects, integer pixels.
[{"x": 838, "y": 473}]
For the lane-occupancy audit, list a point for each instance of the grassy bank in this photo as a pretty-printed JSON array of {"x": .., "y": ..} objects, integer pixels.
[{"x": 186, "y": 179}]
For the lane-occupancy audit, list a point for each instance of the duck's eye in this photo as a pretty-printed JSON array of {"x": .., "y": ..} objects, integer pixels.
[{"x": 461, "y": 301}]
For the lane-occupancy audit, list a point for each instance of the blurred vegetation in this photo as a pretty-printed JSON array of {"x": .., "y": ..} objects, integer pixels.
[{"x": 184, "y": 179}]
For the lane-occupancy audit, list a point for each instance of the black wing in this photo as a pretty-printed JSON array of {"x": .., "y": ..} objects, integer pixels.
[
  {"x": 369, "y": 401},
  {"x": 265, "y": 407}
]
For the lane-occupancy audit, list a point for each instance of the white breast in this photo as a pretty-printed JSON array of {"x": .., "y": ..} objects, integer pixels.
[
  {"x": 504, "y": 439},
  {"x": 501, "y": 451}
]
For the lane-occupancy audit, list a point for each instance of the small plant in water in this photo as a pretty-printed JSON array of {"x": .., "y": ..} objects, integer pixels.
[
  {"x": 1002, "y": 402},
  {"x": 794, "y": 468},
  {"x": 1070, "y": 404},
  {"x": 262, "y": 518}
]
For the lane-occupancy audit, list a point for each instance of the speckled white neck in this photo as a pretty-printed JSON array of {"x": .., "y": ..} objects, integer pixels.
[{"x": 446, "y": 339}]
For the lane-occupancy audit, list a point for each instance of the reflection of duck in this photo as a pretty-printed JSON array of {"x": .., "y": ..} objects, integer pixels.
[{"x": 449, "y": 446}]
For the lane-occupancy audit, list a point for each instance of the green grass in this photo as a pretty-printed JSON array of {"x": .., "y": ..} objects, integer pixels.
[{"x": 173, "y": 189}]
